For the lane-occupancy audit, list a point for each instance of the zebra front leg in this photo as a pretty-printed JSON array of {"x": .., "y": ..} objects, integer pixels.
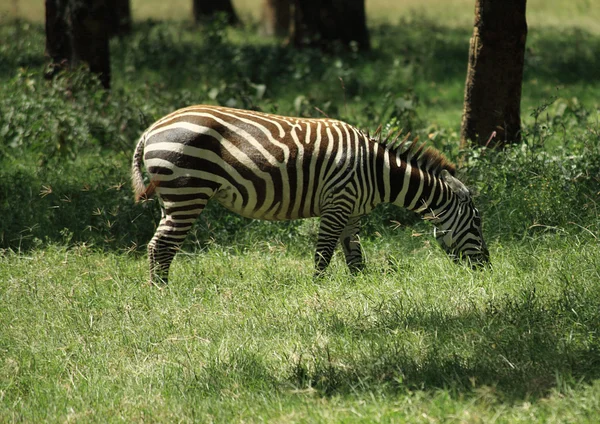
[
  {"x": 351, "y": 245},
  {"x": 331, "y": 227}
]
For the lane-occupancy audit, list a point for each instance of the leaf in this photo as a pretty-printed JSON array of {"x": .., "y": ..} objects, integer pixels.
[
  {"x": 213, "y": 93},
  {"x": 298, "y": 103},
  {"x": 260, "y": 90},
  {"x": 404, "y": 104}
]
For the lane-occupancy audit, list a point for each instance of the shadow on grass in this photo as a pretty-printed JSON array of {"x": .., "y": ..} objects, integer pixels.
[
  {"x": 577, "y": 62},
  {"x": 203, "y": 65},
  {"x": 420, "y": 48},
  {"x": 183, "y": 55},
  {"x": 522, "y": 347}
]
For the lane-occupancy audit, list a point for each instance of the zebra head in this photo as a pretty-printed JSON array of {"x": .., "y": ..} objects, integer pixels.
[{"x": 458, "y": 229}]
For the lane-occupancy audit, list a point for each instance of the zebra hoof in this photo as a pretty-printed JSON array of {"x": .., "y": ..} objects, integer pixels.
[{"x": 158, "y": 283}]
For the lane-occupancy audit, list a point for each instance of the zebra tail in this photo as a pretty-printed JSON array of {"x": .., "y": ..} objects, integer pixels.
[{"x": 137, "y": 177}]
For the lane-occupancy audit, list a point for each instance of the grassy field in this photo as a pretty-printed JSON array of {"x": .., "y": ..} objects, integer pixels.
[
  {"x": 247, "y": 336},
  {"x": 243, "y": 333}
]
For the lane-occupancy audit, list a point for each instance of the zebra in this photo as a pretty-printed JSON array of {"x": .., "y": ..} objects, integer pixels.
[{"x": 271, "y": 167}]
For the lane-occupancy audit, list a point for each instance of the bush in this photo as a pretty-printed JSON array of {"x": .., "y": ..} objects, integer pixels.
[
  {"x": 548, "y": 182},
  {"x": 66, "y": 144}
]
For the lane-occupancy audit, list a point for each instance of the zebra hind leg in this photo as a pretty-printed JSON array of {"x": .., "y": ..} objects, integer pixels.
[
  {"x": 160, "y": 256},
  {"x": 172, "y": 230},
  {"x": 351, "y": 245}
]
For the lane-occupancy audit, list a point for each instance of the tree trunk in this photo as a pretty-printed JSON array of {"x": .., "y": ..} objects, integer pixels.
[
  {"x": 58, "y": 42},
  {"x": 495, "y": 74},
  {"x": 323, "y": 23},
  {"x": 276, "y": 17},
  {"x": 206, "y": 9},
  {"x": 120, "y": 17},
  {"x": 90, "y": 31}
]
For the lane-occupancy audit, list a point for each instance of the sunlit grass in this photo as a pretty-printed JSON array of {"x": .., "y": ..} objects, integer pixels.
[{"x": 245, "y": 334}]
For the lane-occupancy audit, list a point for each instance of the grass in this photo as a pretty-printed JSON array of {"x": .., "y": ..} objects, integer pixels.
[
  {"x": 243, "y": 333},
  {"x": 248, "y": 335}
]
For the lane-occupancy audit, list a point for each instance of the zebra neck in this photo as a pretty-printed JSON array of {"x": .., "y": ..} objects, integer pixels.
[{"x": 413, "y": 186}]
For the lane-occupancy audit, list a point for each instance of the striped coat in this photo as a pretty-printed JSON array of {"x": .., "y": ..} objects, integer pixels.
[{"x": 271, "y": 167}]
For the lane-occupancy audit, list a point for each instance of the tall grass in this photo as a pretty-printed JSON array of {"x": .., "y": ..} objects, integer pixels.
[{"x": 250, "y": 336}]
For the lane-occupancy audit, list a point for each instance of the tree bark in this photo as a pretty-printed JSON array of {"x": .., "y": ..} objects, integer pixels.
[
  {"x": 58, "y": 42},
  {"x": 120, "y": 17},
  {"x": 324, "y": 23},
  {"x": 495, "y": 74},
  {"x": 206, "y": 9},
  {"x": 276, "y": 17},
  {"x": 90, "y": 31}
]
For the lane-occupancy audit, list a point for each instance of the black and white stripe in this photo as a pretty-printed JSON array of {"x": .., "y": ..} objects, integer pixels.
[{"x": 272, "y": 167}]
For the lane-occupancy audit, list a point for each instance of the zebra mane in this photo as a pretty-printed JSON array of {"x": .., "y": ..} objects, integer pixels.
[{"x": 426, "y": 157}]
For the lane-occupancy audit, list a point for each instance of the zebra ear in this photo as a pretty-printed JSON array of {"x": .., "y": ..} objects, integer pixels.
[{"x": 455, "y": 185}]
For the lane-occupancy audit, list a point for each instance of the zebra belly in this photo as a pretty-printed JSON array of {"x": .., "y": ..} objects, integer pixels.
[{"x": 230, "y": 197}]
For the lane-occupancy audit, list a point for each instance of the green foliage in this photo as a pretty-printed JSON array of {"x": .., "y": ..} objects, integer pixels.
[
  {"x": 533, "y": 186},
  {"x": 60, "y": 120},
  {"x": 66, "y": 144},
  {"x": 22, "y": 46}
]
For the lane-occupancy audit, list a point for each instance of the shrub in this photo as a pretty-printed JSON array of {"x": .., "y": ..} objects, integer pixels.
[
  {"x": 66, "y": 144},
  {"x": 548, "y": 182}
]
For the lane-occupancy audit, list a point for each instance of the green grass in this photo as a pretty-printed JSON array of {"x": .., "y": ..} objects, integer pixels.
[
  {"x": 243, "y": 333},
  {"x": 247, "y": 335}
]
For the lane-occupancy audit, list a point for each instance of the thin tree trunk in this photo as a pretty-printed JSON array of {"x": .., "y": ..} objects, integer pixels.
[
  {"x": 58, "y": 42},
  {"x": 206, "y": 9},
  {"x": 323, "y": 23},
  {"x": 90, "y": 32},
  {"x": 276, "y": 17},
  {"x": 495, "y": 73},
  {"x": 120, "y": 17}
]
